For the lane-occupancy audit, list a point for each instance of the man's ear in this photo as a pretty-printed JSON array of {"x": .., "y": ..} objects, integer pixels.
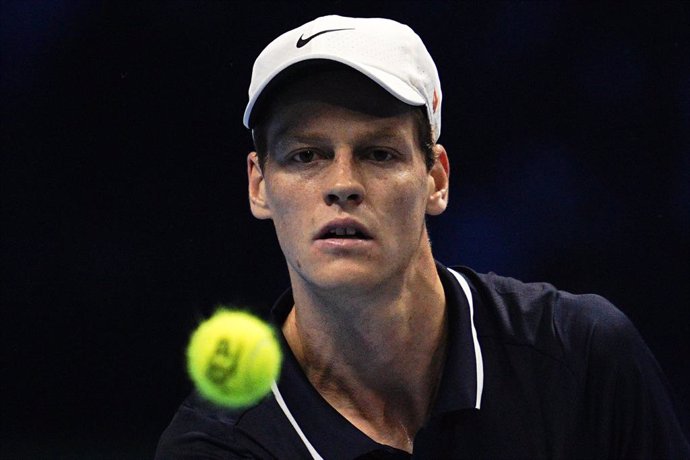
[
  {"x": 257, "y": 188},
  {"x": 439, "y": 176}
]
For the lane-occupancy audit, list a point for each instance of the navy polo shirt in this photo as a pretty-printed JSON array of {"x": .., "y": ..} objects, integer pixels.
[{"x": 546, "y": 375}]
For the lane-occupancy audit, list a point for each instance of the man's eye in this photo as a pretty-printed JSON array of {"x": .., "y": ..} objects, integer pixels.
[
  {"x": 380, "y": 155},
  {"x": 304, "y": 156}
]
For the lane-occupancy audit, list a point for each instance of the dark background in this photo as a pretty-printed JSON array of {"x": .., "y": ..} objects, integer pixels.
[{"x": 124, "y": 211}]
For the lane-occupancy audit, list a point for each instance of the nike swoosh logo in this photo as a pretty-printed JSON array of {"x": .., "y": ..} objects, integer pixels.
[{"x": 303, "y": 41}]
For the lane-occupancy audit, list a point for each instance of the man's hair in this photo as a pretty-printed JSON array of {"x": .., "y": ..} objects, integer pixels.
[{"x": 421, "y": 120}]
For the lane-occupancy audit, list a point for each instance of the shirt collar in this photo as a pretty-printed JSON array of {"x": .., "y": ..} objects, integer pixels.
[{"x": 462, "y": 379}]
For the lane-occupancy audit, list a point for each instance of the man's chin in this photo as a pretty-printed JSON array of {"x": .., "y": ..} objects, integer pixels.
[{"x": 343, "y": 278}]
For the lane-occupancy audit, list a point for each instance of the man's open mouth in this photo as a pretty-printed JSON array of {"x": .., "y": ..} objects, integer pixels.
[
  {"x": 344, "y": 229},
  {"x": 344, "y": 232}
]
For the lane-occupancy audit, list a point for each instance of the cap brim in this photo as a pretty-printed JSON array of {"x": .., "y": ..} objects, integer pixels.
[{"x": 394, "y": 85}]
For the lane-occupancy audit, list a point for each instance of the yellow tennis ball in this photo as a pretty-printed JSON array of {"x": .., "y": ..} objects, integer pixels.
[{"x": 232, "y": 358}]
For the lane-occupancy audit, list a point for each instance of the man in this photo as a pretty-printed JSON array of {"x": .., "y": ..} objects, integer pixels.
[{"x": 389, "y": 354}]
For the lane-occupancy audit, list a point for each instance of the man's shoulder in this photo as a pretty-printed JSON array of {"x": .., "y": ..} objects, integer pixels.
[
  {"x": 579, "y": 360},
  {"x": 539, "y": 315},
  {"x": 533, "y": 299},
  {"x": 200, "y": 429}
]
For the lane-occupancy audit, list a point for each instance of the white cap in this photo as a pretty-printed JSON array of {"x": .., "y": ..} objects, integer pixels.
[{"x": 386, "y": 51}]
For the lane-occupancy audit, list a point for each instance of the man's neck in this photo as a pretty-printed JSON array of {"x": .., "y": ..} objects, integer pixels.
[{"x": 376, "y": 357}]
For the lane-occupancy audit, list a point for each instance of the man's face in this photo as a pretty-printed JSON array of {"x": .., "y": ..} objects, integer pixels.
[{"x": 345, "y": 182}]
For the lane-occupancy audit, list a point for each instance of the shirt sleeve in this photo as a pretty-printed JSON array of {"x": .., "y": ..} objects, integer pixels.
[
  {"x": 198, "y": 434},
  {"x": 630, "y": 413}
]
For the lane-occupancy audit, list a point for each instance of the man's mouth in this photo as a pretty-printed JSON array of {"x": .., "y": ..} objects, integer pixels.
[
  {"x": 344, "y": 229},
  {"x": 344, "y": 232}
]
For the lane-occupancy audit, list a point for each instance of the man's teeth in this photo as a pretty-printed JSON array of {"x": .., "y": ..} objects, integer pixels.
[{"x": 344, "y": 231}]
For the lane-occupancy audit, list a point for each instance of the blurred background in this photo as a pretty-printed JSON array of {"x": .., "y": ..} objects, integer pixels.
[{"x": 124, "y": 211}]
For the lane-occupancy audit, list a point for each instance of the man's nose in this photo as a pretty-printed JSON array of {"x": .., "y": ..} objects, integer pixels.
[{"x": 344, "y": 184}]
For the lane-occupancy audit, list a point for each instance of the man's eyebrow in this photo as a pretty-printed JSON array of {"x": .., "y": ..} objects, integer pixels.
[
  {"x": 286, "y": 138},
  {"x": 386, "y": 134}
]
